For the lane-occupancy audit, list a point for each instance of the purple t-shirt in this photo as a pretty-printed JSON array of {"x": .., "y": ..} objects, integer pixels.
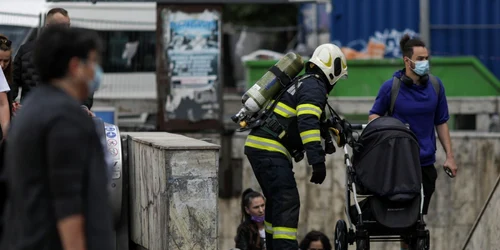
[{"x": 420, "y": 107}]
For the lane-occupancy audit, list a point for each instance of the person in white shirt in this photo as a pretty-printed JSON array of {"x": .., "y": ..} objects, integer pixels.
[
  {"x": 7, "y": 68},
  {"x": 5, "y": 113},
  {"x": 4, "y": 105}
]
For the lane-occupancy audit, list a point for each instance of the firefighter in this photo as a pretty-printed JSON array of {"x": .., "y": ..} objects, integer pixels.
[{"x": 292, "y": 128}]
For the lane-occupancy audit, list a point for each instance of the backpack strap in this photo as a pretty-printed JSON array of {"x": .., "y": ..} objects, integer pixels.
[
  {"x": 396, "y": 84},
  {"x": 282, "y": 76},
  {"x": 435, "y": 84}
]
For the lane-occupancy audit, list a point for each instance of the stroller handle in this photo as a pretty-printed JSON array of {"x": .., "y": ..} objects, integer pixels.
[{"x": 358, "y": 126}]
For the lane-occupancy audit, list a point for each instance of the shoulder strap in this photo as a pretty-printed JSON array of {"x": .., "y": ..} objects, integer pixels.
[
  {"x": 396, "y": 84},
  {"x": 283, "y": 78},
  {"x": 280, "y": 94},
  {"x": 435, "y": 84}
]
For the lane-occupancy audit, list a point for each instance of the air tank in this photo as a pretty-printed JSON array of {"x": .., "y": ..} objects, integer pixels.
[{"x": 267, "y": 87}]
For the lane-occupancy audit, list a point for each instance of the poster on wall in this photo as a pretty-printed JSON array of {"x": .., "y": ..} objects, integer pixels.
[{"x": 192, "y": 47}]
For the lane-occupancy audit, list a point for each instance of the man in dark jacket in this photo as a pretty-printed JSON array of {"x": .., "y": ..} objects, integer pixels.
[
  {"x": 55, "y": 170},
  {"x": 25, "y": 75},
  {"x": 270, "y": 149}
]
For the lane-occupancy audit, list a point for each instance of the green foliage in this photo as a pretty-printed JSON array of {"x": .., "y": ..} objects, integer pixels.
[{"x": 269, "y": 15}]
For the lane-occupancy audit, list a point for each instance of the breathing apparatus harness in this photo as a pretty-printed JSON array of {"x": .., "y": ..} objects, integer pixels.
[{"x": 267, "y": 120}]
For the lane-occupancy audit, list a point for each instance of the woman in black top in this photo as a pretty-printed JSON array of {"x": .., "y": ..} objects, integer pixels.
[{"x": 251, "y": 234}]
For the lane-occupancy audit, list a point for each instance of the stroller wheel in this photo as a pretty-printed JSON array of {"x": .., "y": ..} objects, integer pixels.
[{"x": 341, "y": 235}]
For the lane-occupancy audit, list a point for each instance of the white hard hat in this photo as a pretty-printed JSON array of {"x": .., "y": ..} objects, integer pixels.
[{"x": 330, "y": 59}]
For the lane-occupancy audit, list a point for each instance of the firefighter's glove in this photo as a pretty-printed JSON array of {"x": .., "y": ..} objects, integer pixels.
[
  {"x": 298, "y": 155},
  {"x": 319, "y": 173},
  {"x": 329, "y": 147},
  {"x": 339, "y": 134}
]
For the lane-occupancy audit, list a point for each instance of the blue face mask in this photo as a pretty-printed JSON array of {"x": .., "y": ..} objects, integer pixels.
[
  {"x": 95, "y": 84},
  {"x": 421, "y": 67}
]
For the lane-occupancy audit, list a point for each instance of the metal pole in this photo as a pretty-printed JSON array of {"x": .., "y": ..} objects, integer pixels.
[
  {"x": 162, "y": 70},
  {"x": 425, "y": 30}
]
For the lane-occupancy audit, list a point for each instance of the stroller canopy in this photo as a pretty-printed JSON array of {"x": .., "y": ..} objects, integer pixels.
[{"x": 387, "y": 164}]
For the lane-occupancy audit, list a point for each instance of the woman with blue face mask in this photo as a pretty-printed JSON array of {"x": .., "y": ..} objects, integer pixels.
[{"x": 251, "y": 232}]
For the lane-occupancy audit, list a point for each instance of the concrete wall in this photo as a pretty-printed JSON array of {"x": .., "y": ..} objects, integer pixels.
[
  {"x": 453, "y": 210},
  {"x": 173, "y": 192},
  {"x": 484, "y": 234}
]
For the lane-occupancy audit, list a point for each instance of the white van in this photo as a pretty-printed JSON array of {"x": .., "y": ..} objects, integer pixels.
[{"x": 128, "y": 32}]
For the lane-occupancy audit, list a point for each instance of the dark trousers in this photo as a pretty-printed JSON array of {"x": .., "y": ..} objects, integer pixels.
[
  {"x": 429, "y": 177},
  {"x": 276, "y": 178}
]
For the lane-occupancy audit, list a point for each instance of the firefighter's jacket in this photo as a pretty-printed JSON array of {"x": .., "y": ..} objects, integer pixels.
[{"x": 300, "y": 110}]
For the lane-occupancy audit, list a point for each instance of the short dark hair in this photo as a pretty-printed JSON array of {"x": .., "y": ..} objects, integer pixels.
[
  {"x": 57, "y": 45},
  {"x": 57, "y": 10},
  {"x": 314, "y": 236},
  {"x": 407, "y": 43}
]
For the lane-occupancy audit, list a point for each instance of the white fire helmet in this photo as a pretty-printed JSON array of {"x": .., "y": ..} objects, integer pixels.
[{"x": 330, "y": 59}]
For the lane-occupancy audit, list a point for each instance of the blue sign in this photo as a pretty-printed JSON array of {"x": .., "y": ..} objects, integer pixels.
[
  {"x": 105, "y": 115},
  {"x": 110, "y": 129},
  {"x": 111, "y": 134}
]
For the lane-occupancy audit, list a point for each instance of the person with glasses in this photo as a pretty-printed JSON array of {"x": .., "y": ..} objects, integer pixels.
[{"x": 315, "y": 240}]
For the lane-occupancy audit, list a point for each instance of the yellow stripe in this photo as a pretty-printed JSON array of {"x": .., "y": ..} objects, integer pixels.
[
  {"x": 310, "y": 136},
  {"x": 283, "y": 109},
  {"x": 269, "y": 227},
  {"x": 286, "y": 233},
  {"x": 284, "y": 237},
  {"x": 279, "y": 112},
  {"x": 287, "y": 108},
  {"x": 267, "y": 148},
  {"x": 309, "y": 109},
  {"x": 266, "y": 144},
  {"x": 285, "y": 229}
]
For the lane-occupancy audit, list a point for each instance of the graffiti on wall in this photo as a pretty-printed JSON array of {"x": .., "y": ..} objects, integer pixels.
[{"x": 382, "y": 44}]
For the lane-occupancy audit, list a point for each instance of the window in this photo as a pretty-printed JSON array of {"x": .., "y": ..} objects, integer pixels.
[
  {"x": 128, "y": 51},
  {"x": 17, "y": 34}
]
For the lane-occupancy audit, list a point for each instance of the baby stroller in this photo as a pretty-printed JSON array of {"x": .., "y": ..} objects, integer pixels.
[{"x": 385, "y": 170}]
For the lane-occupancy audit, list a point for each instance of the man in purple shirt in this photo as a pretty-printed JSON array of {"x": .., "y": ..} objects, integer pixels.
[{"x": 419, "y": 105}]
